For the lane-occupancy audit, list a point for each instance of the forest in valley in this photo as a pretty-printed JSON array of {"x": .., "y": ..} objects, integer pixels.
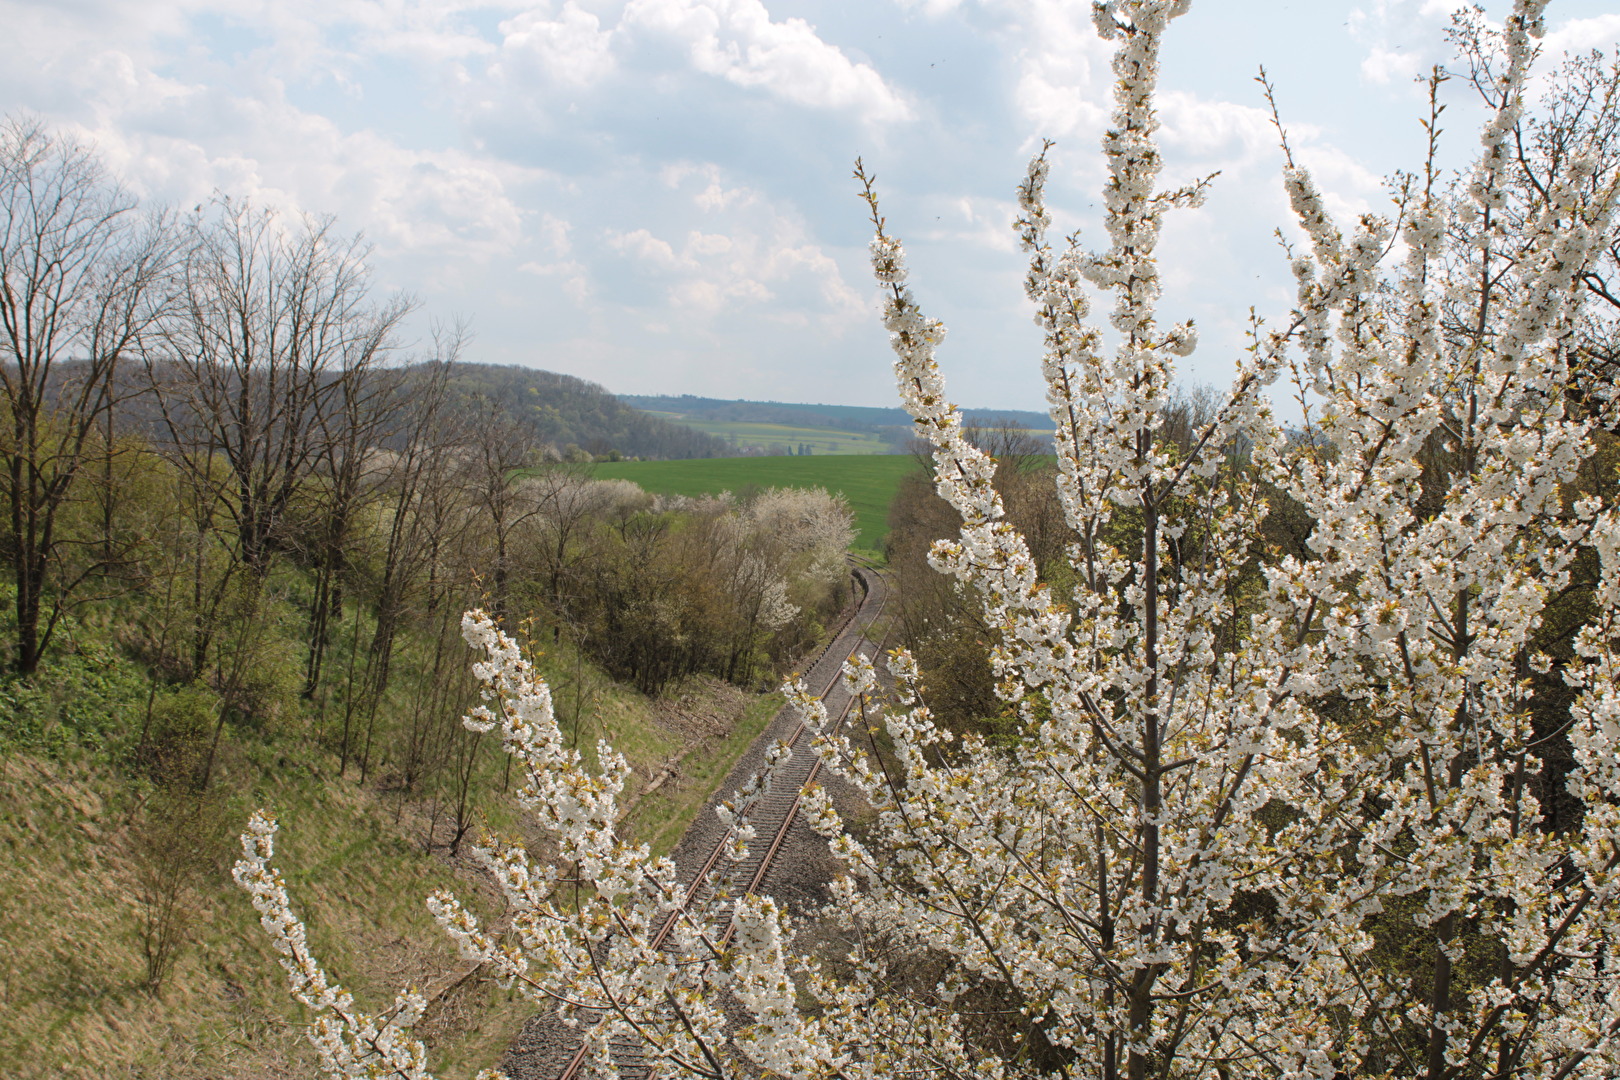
[{"x": 242, "y": 519}]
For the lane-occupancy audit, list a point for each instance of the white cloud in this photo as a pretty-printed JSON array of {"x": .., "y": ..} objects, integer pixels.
[
  {"x": 1386, "y": 66},
  {"x": 574, "y": 275},
  {"x": 1582, "y": 35},
  {"x": 1403, "y": 39},
  {"x": 710, "y": 296},
  {"x": 971, "y": 220},
  {"x": 181, "y": 143},
  {"x": 763, "y": 257},
  {"x": 180, "y": 123},
  {"x": 1218, "y": 130},
  {"x": 844, "y": 306},
  {"x": 714, "y": 196},
  {"x": 554, "y": 231},
  {"x": 1064, "y": 79},
  {"x": 701, "y": 243},
  {"x": 933, "y": 8},
  {"x": 570, "y": 50},
  {"x": 737, "y": 41},
  {"x": 647, "y": 248}
]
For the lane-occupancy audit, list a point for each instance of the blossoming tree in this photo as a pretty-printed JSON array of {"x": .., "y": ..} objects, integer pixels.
[{"x": 1268, "y": 816}]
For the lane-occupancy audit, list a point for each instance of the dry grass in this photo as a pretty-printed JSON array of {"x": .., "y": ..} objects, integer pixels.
[
  {"x": 358, "y": 864},
  {"x": 717, "y": 723},
  {"x": 71, "y": 981}
]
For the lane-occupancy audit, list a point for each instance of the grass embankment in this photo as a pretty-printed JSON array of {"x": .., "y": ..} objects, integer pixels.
[
  {"x": 72, "y": 979},
  {"x": 359, "y": 860},
  {"x": 662, "y": 817},
  {"x": 869, "y": 482}
]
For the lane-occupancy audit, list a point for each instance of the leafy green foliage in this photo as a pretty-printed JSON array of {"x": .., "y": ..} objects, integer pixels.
[{"x": 89, "y": 700}]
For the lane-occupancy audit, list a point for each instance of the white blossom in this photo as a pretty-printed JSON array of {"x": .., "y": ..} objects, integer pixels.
[{"x": 1237, "y": 782}]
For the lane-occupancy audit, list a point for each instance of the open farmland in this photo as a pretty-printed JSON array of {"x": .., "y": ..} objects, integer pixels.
[
  {"x": 745, "y": 435},
  {"x": 777, "y": 427},
  {"x": 867, "y": 481}
]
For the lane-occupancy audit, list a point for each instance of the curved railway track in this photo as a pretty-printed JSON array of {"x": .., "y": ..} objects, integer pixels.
[{"x": 702, "y": 849}]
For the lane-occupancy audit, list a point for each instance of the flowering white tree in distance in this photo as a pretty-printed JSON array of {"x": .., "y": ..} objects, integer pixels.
[{"x": 1268, "y": 814}]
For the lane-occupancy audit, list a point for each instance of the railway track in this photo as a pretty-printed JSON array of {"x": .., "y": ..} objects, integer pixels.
[{"x": 773, "y": 816}]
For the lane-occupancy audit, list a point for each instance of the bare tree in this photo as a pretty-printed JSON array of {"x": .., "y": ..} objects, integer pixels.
[
  {"x": 177, "y": 841},
  {"x": 423, "y": 463},
  {"x": 567, "y": 498},
  {"x": 249, "y": 366},
  {"x": 499, "y": 447},
  {"x": 367, "y": 407},
  {"x": 77, "y": 268}
]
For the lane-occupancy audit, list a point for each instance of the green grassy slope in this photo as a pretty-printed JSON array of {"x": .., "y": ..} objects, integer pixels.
[
  {"x": 867, "y": 481},
  {"x": 359, "y": 859}
]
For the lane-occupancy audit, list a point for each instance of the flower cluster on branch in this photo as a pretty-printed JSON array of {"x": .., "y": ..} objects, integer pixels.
[{"x": 1266, "y": 815}]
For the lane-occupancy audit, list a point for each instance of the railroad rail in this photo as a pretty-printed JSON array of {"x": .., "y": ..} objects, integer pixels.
[{"x": 774, "y": 814}]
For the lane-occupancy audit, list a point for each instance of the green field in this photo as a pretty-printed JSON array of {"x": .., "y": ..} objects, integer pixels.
[
  {"x": 867, "y": 481},
  {"x": 746, "y": 434}
]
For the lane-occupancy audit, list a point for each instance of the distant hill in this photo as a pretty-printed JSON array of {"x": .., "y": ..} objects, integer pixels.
[
  {"x": 559, "y": 411},
  {"x": 564, "y": 411},
  {"x": 890, "y": 425}
]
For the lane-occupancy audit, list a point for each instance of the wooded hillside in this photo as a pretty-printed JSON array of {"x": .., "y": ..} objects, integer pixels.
[{"x": 570, "y": 415}]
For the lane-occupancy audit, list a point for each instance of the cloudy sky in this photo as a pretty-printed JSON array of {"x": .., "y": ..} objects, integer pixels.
[{"x": 655, "y": 194}]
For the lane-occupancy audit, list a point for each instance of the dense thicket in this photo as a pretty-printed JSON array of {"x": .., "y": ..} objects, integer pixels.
[{"x": 937, "y": 621}]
